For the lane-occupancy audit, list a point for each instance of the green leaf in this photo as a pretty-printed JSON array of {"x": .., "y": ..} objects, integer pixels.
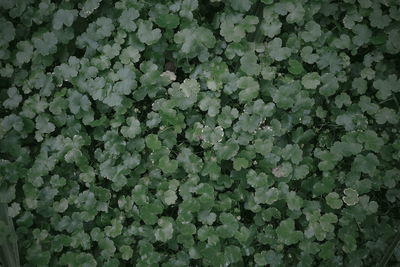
[
  {"x": 127, "y": 19},
  {"x": 329, "y": 84},
  {"x": 107, "y": 247},
  {"x": 287, "y": 234},
  {"x": 249, "y": 64},
  {"x": 351, "y": 197},
  {"x": 240, "y": 5},
  {"x": 46, "y": 44},
  {"x": 294, "y": 202},
  {"x": 250, "y": 89},
  {"x": 193, "y": 41},
  {"x": 258, "y": 180},
  {"x": 211, "y": 105},
  {"x": 312, "y": 32},
  {"x": 126, "y": 252},
  {"x": 64, "y": 17},
  {"x": 264, "y": 195},
  {"x": 25, "y": 52},
  {"x": 152, "y": 142},
  {"x": 386, "y": 115},
  {"x": 226, "y": 150},
  {"x": 165, "y": 230},
  {"x": 240, "y": 163},
  {"x": 147, "y": 34},
  {"x": 365, "y": 164},
  {"x": 132, "y": 129},
  {"x": 269, "y": 258},
  {"x": 295, "y": 67},
  {"x": 167, "y": 165},
  {"x": 311, "y": 80},
  {"x": 43, "y": 125},
  {"x": 78, "y": 102},
  {"x": 333, "y": 200},
  {"x": 7, "y": 31},
  {"x": 276, "y": 51},
  {"x": 168, "y": 21}
]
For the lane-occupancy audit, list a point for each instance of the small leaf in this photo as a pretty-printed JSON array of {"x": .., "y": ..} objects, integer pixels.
[{"x": 351, "y": 197}]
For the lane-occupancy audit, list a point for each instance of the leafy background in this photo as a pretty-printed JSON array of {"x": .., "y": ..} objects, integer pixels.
[{"x": 200, "y": 133}]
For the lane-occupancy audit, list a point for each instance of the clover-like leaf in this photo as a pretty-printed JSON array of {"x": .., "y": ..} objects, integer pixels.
[
  {"x": 287, "y": 234},
  {"x": 351, "y": 197},
  {"x": 295, "y": 67},
  {"x": 147, "y": 34},
  {"x": 267, "y": 196},
  {"x": 132, "y": 129},
  {"x": 276, "y": 51},
  {"x": 165, "y": 230},
  {"x": 249, "y": 64},
  {"x": 333, "y": 200},
  {"x": 167, "y": 165},
  {"x": 226, "y": 150},
  {"x": 240, "y": 163},
  {"x": 250, "y": 89},
  {"x": 152, "y": 142}
]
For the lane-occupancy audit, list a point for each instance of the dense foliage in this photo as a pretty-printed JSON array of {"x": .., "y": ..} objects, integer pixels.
[{"x": 200, "y": 133}]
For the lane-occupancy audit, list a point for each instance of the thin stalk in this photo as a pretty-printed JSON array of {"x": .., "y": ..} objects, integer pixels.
[
  {"x": 396, "y": 101},
  {"x": 9, "y": 255},
  {"x": 389, "y": 251}
]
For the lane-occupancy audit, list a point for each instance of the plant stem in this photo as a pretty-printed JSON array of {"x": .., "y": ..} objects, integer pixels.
[{"x": 389, "y": 251}]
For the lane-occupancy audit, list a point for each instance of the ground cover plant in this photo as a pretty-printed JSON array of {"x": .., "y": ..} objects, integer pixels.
[{"x": 199, "y": 133}]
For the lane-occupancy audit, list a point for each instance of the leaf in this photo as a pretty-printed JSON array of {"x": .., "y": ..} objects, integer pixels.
[
  {"x": 276, "y": 51},
  {"x": 25, "y": 52},
  {"x": 226, "y": 150},
  {"x": 88, "y": 7},
  {"x": 126, "y": 252},
  {"x": 249, "y": 64},
  {"x": 168, "y": 21},
  {"x": 250, "y": 89},
  {"x": 46, "y": 44},
  {"x": 294, "y": 202},
  {"x": 332, "y": 199},
  {"x": 167, "y": 165},
  {"x": 127, "y": 19},
  {"x": 241, "y": 6},
  {"x": 240, "y": 163},
  {"x": 258, "y": 180},
  {"x": 287, "y": 234},
  {"x": 78, "y": 102},
  {"x": 266, "y": 196},
  {"x": 351, "y": 197},
  {"x": 270, "y": 258},
  {"x": 132, "y": 129},
  {"x": 7, "y": 31},
  {"x": 295, "y": 67},
  {"x": 366, "y": 164},
  {"x": 311, "y": 80},
  {"x": 312, "y": 32},
  {"x": 165, "y": 230},
  {"x": 329, "y": 84},
  {"x": 147, "y": 34},
  {"x": 152, "y": 142},
  {"x": 386, "y": 115},
  {"x": 210, "y": 104},
  {"x": 64, "y": 17},
  {"x": 43, "y": 125},
  {"x": 194, "y": 40}
]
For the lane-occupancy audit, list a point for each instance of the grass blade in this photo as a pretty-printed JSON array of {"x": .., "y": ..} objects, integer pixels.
[
  {"x": 9, "y": 255},
  {"x": 389, "y": 251}
]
